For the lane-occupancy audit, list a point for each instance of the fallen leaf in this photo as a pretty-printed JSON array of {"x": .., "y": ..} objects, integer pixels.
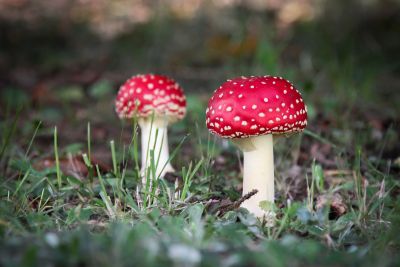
[
  {"x": 322, "y": 153},
  {"x": 335, "y": 202}
]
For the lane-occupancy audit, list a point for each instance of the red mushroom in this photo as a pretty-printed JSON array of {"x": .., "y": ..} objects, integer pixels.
[
  {"x": 251, "y": 111},
  {"x": 156, "y": 101}
]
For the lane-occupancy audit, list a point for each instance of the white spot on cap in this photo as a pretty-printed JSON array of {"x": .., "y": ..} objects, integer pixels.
[
  {"x": 270, "y": 109},
  {"x": 148, "y": 97},
  {"x": 253, "y": 127},
  {"x": 261, "y": 114},
  {"x": 254, "y": 106},
  {"x": 240, "y": 96},
  {"x": 266, "y": 100},
  {"x": 244, "y": 123},
  {"x": 244, "y": 107},
  {"x": 229, "y": 109},
  {"x": 150, "y": 86},
  {"x": 270, "y": 121},
  {"x": 251, "y": 86},
  {"x": 291, "y": 106},
  {"x": 237, "y": 118},
  {"x": 277, "y": 96},
  {"x": 221, "y": 95},
  {"x": 285, "y": 92},
  {"x": 283, "y": 105}
]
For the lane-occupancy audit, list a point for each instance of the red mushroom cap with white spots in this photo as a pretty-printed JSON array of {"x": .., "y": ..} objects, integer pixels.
[
  {"x": 143, "y": 95},
  {"x": 254, "y": 106}
]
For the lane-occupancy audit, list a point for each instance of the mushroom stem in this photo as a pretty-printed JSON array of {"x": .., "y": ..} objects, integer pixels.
[
  {"x": 258, "y": 171},
  {"x": 155, "y": 138}
]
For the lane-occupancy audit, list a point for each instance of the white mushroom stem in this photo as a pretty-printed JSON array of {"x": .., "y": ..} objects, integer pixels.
[
  {"x": 154, "y": 138},
  {"x": 258, "y": 171}
]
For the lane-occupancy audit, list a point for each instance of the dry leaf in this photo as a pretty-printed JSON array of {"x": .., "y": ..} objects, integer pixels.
[{"x": 336, "y": 205}]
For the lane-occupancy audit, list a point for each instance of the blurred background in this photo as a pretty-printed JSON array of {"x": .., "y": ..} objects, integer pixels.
[{"x": 63, "y": 60}]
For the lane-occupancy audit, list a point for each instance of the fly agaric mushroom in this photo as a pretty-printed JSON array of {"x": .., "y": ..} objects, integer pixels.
[
  {"x": 156, "y": 101},
  {"x": 251, "y": 111}
]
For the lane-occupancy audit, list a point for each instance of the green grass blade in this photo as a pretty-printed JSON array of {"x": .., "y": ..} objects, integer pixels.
[{"x": 58, "y": 170}]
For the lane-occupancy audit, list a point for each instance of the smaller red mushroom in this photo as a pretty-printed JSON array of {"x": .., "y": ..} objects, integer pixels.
[
  {"x": 157, "y": 101},
  {"x": 250, "y": 111}
]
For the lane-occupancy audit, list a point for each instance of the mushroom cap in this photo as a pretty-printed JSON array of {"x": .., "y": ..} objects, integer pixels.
[
  {"x": 252, "y": 106},
  {"x": 142, "y": 95}
]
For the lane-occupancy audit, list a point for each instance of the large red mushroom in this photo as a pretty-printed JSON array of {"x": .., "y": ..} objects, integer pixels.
[
  {"x": 157, "y": 101},
  {"x": 250, "y": 111}
]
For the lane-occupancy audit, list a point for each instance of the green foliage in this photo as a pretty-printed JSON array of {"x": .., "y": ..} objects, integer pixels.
[
  {"x": 13, "y": 98},
  {"x": 70, "y": 93},
  {"x": 101, "y": 89}
]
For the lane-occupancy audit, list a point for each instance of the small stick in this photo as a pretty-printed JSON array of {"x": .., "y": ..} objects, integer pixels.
[{"x": 236, "y": 204}]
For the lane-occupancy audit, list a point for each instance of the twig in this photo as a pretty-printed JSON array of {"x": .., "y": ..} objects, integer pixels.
[{"x": 236, "y": 204}]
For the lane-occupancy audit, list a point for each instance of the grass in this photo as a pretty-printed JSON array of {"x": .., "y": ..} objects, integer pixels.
[
  {"x": 59, "y": 179},
  {"x": 50, "y": 218}
]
